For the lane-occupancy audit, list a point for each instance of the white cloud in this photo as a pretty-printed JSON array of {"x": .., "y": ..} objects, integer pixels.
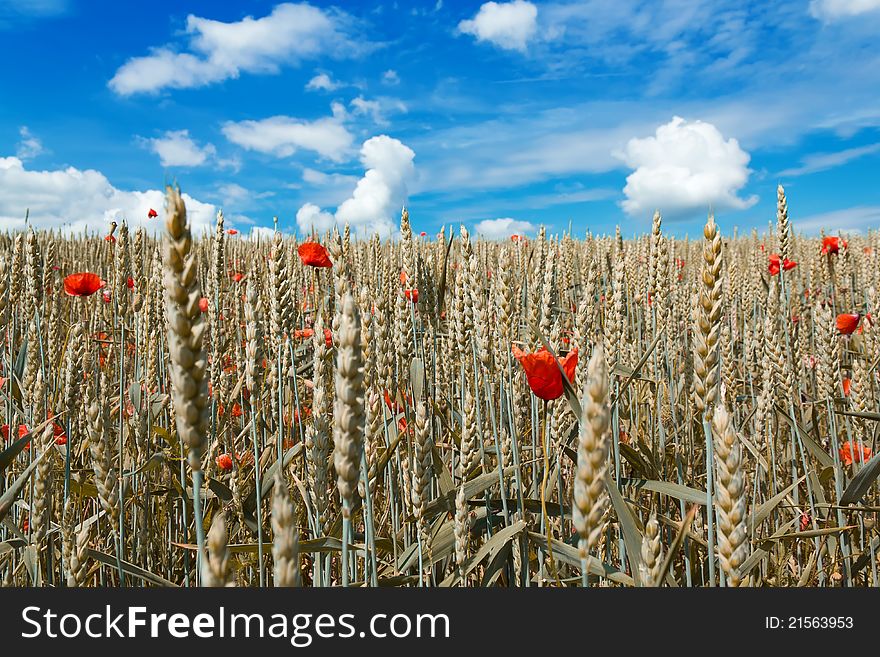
[
  {"x": 830, "y": 10},
  {"x": 824, "y": 161},
  {"x": 310, "y": 217},
  {"x": 496, "y": 229},
  {"x": 232, "y": 193},
  {"x": 29, "y": 146},
  {"x": 377, "y": 109},
  {"x": 508, "y": 25},
  {"x": 378, "y": 196},
  {"x": 686, "y": 166},
  {"x": 856, "y": 219},
  {"x": 328, "y": 189},
  {"x": 282, "y": 136},
  {"x": 261, "y": 233},
  {"x": 219, "y": 51},
  {"x": 322, "y": 82},
  {"x": 390, "y": 77},
  {"x": 73, "y": 200},
  {"x": 314, "y": 177},
  {"x": 177, "y": 149}
]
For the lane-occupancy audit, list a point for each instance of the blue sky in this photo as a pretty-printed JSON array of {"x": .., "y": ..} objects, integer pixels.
[{"x": 503, "y": 116}]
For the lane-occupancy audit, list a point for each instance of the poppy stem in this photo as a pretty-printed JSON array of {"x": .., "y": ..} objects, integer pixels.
[{"x": 544, "y": 517}]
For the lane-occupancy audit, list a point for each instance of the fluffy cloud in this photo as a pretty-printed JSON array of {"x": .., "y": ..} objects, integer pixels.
[
  {"x": 496, "y": 229},
  {"x": 322, "y": 82},
  {"x": 687, "y": 166},
  {"x": 73, "y": 200},
  {"x": 378, "y": 195},
  {"x": 219, "y": 51},
  {"x": 390, "y": 77},
  {"x": 508, "y": 25},
  {"x": 831, "y": 10},
  {"x": 177, "y": 149},
  {"x": 310, "y": 217},
  {"x": 29, "y": 146},
  {"x": 261, "y": 233},
  {"x": 282, "y": 136}
]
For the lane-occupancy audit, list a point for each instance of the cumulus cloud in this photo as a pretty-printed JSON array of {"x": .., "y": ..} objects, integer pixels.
[
  {"x": 508, "y": 25},
  {"x": 687, "y": 166},
  {"x": 496, "y": 229},
  {"x": 176, "y": 148},
  {"x": 261, "y": 233},
  {"x": 390, "y": 77},
  {"x": 378, "y": 195},
  {"x": 73, "y": 200},
  {"x": 831, "y": 10},
  {"x": 282, "y": 136},
  {"x": 310, "y": 217},
  {"x": 29, "y": 146},
  {"x": 218, "y": 51},
  {"x": 322, "y": 82}
]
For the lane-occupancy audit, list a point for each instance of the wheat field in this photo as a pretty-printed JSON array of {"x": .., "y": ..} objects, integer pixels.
[{"x": 438, "y": 410}]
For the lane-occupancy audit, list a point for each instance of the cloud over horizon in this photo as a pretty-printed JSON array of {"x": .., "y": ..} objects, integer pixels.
[
  {"x": 378, "y": 195},
  {"x": 686, "y": 166}
]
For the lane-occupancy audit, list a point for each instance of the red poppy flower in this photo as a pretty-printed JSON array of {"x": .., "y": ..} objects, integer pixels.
[
  {"x": 25, "y": 525},
  {"x": 832, "y": 245},
  {"x": 847, "y": 386},
  {"x": 237, "y": 276},
  {"x": 303, "y": 333},
  {"x": 61, "y": 440},
  {"x": 422, "y": 234},
  {"x": 402, "y": 426},
  {"x": 82, "y": 284},
  {"x": 847, "y": 322},
  {"x": 232, "y": 231},
  {"x": 514, "y": 238},
  {"x": 130, "y": 283},
  {"x": 328, "y": 337},
  {"x": 314, "y": 255},
  {"x": 776, "y": 262},
  {"x": 403, "y": 277},
  {"x": 203, "y": 304},
  {"x": 224, "y": 462},
  {"x": 236, "y": 410},
  {"x": 850, "y": 453},
  {"x": 393, "y": 405},
  {"x": 22, "y": 430},
  {"x": 152, "y": 213},
  {"x": 110, "y": 239},
  {"x": 805, "y": 521},
  {"x": 542, "y": 373},
  {"x": 106, "y": 296},
  {"x": 412, "y": 295}
]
